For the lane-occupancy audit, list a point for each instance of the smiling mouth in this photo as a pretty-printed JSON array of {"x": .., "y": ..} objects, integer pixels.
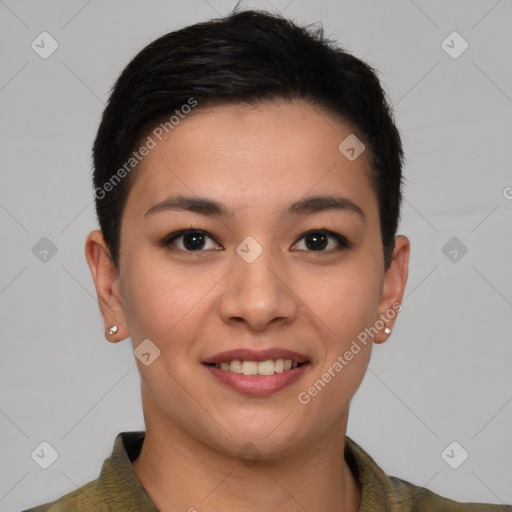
[{"x": 262, "y": 368}]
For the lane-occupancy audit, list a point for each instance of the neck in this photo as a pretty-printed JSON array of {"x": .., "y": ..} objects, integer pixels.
[{"x": 181, "y": 474}]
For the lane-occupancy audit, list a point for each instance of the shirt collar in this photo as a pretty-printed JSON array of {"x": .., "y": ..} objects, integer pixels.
[
  {"x": 118, "y": 483},
  {"x": 120, "y": 486}
]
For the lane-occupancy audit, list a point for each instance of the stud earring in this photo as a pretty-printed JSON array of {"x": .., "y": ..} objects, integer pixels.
[
  {"x": 387, "y": 330},
  {"x": 113, "y": 330}
]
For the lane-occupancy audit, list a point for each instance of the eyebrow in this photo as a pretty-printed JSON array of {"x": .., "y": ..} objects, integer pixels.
[{"x": 209, "y": 207}]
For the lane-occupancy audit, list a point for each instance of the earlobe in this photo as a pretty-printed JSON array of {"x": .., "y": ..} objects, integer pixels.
[
  {"x": 393, "y": 288},
  {"x": 106, "y": 278}
]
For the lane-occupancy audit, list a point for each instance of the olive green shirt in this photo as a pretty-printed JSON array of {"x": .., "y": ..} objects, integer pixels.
[{"x": 118, "y": 490}]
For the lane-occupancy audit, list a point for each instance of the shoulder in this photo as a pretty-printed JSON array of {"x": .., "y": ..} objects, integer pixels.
[
  {"x": 381, "y": 491},
  {"x": 84, "y": 499},
  {"x": 408, "y": 497}
]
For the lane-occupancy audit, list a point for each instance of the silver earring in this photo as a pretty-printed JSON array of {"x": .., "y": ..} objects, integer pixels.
[
  {"x": 387, "y": 330},
  {"x": 113, "y": 330}
]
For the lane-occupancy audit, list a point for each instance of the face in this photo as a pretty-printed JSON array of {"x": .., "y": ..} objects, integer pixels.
[{"x": 198, "y": 282}]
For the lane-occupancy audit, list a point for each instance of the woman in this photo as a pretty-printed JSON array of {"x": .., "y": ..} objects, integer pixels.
[{"x": 248, "y": 180}]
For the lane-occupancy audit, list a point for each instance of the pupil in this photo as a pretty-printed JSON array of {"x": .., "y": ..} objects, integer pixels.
[
  {"x": 193, "y": 241},
  {"x": 318, "y": 241}
]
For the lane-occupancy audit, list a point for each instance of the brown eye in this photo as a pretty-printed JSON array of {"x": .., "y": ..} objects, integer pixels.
[
  {"x": 318, "y": 241},
  {"x": 192, "y": 240}
]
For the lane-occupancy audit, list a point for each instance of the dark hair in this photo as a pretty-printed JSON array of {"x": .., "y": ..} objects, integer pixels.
[{"x": 248, "y": 56}]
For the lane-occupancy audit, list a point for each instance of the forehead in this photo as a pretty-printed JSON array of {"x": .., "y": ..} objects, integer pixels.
[{"x": 253, "y": 155}]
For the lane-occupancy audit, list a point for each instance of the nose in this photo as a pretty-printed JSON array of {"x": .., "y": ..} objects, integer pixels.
[{"x": 258, "y": 293}]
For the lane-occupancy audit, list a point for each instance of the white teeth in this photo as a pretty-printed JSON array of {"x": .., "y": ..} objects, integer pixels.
[
  {"x": 279, "y": 365},
  {"x": 250, "y": 368},
  {"x": 268, "y": 367},
  {"x": 235, "y": 366}
]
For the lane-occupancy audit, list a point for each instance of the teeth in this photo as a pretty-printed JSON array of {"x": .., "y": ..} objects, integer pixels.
[
  {"x": 268, "y": 367},
  {"x": 250, "y": 368},
  {"x": 235, "y": 366},
  {"x": 279, "y": 365}
]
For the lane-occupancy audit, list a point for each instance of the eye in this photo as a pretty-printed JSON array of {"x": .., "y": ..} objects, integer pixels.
[
  {"x": 196, "y": 240},
  {"x": 192, "y": 240},
  {"x": 317, "y": 240}
]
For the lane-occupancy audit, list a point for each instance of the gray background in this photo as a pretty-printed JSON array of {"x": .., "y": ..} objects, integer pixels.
[{"x": 445, "y": 373}]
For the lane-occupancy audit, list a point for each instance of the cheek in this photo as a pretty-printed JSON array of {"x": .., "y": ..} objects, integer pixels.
[
  {"x": 343, "y": 306},
  {"x": 160, "y": 302},
  {"x": 345, "y": 300}
]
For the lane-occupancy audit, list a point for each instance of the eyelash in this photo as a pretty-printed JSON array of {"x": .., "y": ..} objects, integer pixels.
[{"x": 342, "y": 241}]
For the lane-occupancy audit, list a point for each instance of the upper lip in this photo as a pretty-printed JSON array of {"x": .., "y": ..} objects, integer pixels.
[{"x": 256, "y": 355}]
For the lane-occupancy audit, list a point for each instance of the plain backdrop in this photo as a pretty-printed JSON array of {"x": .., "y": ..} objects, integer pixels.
[{"x": 444, "y": 375}]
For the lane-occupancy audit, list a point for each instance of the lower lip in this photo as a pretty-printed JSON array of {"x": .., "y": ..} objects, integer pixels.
[{"x": 258, "y": 385}]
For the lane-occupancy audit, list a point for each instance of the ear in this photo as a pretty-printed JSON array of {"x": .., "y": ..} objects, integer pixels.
[
  {"x": 108, "y": 290},
  {"x": 394, "y": 286}
]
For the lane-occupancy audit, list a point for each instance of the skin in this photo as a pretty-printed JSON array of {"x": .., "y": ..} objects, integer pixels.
[{"x": 193, "y": 305}]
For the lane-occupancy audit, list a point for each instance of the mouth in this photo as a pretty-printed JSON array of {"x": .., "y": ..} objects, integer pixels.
[
  {"x": 257, "y": 373},
  {"x": 262, "y": 368}
]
